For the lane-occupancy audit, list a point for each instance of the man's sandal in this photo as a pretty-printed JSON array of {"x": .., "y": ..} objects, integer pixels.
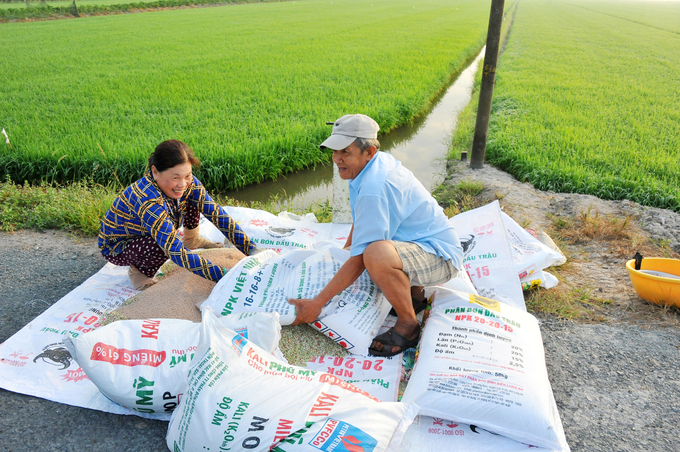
[
  {"x": 390, "y": 339},
  {"x": 417, "y": 306}
]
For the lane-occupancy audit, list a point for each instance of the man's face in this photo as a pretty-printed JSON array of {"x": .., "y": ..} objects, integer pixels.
[{"x": 350, "y": 161}]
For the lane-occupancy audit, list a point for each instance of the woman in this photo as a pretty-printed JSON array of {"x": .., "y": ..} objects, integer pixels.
[{"x": 141, "y": 227}]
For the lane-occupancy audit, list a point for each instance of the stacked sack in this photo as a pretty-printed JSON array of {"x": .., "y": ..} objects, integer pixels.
[
  {"x": 479, "y": 383},
  {"x": 481, "y": 363},
  {"x": 142, "y": 364},
  {"x": 242, "y": 397},
  {"x": 501, "y": 257}
]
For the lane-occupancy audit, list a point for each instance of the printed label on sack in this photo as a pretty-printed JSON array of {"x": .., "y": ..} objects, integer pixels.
[
  {"x": 335, "y": 381},
  {"x": 338, "y": 436},
  {"x": 124, "y": 357},
  {"x": 237, "y": 342},
  {"x": 486, "y": 302}
]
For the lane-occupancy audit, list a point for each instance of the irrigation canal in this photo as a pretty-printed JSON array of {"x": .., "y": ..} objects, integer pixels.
[{"x": 421, "y": 147}]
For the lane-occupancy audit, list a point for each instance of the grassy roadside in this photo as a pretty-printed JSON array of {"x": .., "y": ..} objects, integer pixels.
[{"x": 78, "y": 207}]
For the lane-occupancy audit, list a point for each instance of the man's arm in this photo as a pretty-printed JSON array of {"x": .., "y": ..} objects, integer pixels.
[{"x": 309, "y": 310}]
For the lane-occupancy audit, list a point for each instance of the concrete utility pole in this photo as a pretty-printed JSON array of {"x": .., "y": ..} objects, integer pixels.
[{"x": 493, "y": 39}]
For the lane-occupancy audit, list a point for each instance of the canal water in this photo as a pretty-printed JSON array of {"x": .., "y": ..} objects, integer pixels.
[{"x": 421, "y": 147}]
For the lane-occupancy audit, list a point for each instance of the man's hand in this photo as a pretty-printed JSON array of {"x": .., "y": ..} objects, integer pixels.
[{"x": 307, "y": 310}]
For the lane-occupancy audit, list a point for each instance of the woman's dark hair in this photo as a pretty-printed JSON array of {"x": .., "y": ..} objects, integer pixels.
[{"x": 171, "y": 153}]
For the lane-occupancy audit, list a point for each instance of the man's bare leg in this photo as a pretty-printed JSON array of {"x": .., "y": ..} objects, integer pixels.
[{"x": 385, "y": 268}]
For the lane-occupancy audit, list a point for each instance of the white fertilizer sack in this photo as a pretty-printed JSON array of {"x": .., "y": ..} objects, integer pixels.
[
  {"x": 482, "y": 363},
  {"x": 377, "y": 376},
  {"x": 242, "y": 398},
  {"x": 262, "y": 328},
  {"x": 266, "y": 281},
  {"x": 488, "y": 259},
  {"x": 284, "y": 232},
  {"x": 142, "y": 364},
  {"x": 461, "y": 283},
  {"x": 529, "y": 253},
  {"x": 431, "y": 434}
]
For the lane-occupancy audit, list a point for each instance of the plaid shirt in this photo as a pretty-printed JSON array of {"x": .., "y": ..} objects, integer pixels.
[{"x": 143, "y": 209}]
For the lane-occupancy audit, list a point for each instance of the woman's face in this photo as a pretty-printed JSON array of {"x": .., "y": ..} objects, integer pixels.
[{"x": 173, "y": 181}]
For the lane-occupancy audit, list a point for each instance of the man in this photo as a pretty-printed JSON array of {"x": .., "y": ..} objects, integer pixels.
[{"x": 399, "y": 233}]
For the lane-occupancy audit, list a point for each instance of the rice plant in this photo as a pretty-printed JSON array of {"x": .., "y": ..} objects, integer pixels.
[
  {"x": 586, "y": 100},
  {"x": 248, "y": 87}
]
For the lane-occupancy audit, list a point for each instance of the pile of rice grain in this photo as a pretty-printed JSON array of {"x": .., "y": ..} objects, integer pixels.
[{"x": 176, "y": 293}]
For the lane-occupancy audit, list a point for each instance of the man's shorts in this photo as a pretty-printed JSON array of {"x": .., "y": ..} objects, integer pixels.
[{"x": 421, "y": 267}]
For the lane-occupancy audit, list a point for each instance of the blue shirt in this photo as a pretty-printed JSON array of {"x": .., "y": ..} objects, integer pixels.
[{"x": 389, "y": 203}]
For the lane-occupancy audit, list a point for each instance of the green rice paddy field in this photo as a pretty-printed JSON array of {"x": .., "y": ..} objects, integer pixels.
[
  {"x": 587, "y": 99},
  {"x": 249, "y": 87}
]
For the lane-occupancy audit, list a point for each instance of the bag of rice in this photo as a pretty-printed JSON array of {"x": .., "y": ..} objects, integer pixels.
[
  {"x": 241, "y": 397},
  {"x": 482, "y": 363},
  {"x": 266, "y": 281},
  {"x": 142, "y": 364}
]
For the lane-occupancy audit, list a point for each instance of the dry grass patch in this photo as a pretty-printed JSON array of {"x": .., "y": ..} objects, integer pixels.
[
  {"x": 568, "y": 300},
  {"x": 594, "y": 283},
  {"x": 621, "y": 235}
]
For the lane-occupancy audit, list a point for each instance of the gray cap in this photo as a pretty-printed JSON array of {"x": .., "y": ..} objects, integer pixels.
[{"x": 349, "y": 128}]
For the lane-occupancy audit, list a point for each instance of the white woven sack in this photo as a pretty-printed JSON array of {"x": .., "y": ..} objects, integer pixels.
[
  {"x": 142, "y": 364},
  {"x": 208, "y": 230},
  {"x": 428, "y": 434},
  {"x": 529, "y": 253},
  {"x": 482, "y": 363},
  {"x": 285, "y": 232},
  {"x": 266, "y": 281},
  {"x": 461, "y": 282},
  {"x": 488, "y": 259},
  {"x": 242, "y": 398},
  {"x": 378, "y": 376}
]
